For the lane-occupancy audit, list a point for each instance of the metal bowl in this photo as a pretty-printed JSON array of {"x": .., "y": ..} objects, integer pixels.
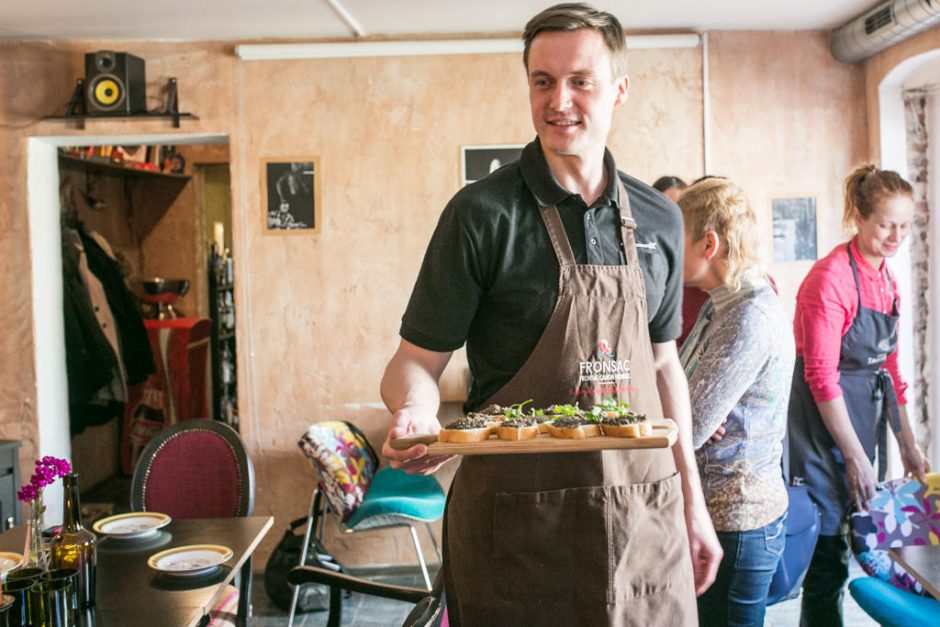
[{"x": 157, "y": 285}]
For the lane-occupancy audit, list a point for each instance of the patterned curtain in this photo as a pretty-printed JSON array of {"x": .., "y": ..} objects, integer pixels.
[{"x": 915, "y": 106}]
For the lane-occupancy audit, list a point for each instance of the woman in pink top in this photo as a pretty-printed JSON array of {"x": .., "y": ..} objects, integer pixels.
[{"x": 846, "y": 384}]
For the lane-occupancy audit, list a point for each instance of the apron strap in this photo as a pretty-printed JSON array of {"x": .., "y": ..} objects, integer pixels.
[
  {"x": 858, "y": 287},
  {"x": 627, "y": 225},
  {"x": 556, "y": 233},
  {"x": 559, "y": 238},
  {"x": 890, "y": 415}
]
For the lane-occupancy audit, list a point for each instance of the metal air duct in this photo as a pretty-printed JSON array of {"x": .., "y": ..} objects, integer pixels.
[{"x": 883, "y": 26}]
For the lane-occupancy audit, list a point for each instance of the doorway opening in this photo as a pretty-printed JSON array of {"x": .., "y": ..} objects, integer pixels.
[{"x": 163, "y": 227}]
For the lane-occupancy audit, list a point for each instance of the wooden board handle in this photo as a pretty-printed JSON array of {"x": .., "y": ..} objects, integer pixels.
[{"x": 400, "y": 444}]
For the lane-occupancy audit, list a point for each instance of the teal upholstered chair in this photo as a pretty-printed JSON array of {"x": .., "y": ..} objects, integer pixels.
[
  {"x": 362, "y": 497},
  {"x": 902, "y": 513},
  {"x": 892, "y": 607}
]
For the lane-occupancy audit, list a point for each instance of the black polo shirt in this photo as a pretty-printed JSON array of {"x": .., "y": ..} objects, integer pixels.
[{"x": 490, "y": 276}]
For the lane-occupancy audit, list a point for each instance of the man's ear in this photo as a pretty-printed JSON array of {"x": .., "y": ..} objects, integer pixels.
[
  {"x": 623, "y": 89},
  {"x": 712, "y": 244}
]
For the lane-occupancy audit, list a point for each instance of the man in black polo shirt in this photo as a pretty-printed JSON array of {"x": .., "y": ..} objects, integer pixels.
[
  {"x": 535, "y": 268},
  {"x": 472, "y": 248}
]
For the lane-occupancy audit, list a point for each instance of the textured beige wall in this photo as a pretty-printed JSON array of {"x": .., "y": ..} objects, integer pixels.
[
  {"x": 319, "y": 314},
  {"x": 788, "y": 120}
]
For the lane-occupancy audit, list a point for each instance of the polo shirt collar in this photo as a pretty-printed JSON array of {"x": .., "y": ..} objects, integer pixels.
[{"x": 547, "y": 191}]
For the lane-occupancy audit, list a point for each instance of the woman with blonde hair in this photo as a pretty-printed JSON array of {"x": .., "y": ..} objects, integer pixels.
[
  {"x": 847, "y": 386},
  {"x": 739, "y": 365}
]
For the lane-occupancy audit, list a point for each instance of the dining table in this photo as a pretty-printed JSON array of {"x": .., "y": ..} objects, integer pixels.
[
  {"x": 131, "y": 592},
  {"x": 922, "y": 562}
]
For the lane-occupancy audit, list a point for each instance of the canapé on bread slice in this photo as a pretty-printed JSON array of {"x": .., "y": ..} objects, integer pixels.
[
  {"x": 517, "y": 429},
  {"x": 618, "y": 420},
  {"x": 470, "y": 428},
  {"x": 627, "y": 426},
  {"x": 573, "y": 427}
]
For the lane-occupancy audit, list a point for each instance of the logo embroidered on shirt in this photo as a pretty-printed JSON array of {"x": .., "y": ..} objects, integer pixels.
[
  {"x": 884, "y": 344},
  {"x": 647, "y": 246}
]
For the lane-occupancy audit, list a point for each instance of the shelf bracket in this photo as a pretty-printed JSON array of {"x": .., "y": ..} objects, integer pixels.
[
  {"x": 76, "y": 105},
  {"x": 172, "y": 102}
]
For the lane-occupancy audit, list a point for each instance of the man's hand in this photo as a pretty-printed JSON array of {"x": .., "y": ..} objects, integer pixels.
[
  {"x": 410, "y": 391},
  {"x": 415, "y": 460},
  {"x": 704, "y": 545}
]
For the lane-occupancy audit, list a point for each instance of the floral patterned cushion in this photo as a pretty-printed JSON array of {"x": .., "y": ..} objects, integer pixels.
[
  {"x": 903, "y": 512},
  {"x": 344, "y": 463}
]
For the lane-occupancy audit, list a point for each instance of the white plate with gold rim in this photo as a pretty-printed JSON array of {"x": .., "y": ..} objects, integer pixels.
[
  {"x": 9, "y": 561},
  {"x": 194, "y": 559},
  {"x": 133, "y": 525}
]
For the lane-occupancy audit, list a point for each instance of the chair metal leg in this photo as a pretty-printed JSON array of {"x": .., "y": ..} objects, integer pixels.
[
  {"x": 244, "y": 598},
  {"x": 336, "y": 607},
  {"x": 437, "y": 549},
  {"x": 424, "y": 567},
  {"x": 311, "y": 523}
]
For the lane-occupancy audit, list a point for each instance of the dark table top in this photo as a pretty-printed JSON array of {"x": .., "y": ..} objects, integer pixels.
[
  {"x": 923, "y": 563},
  {"x": 129, "y": 592}
]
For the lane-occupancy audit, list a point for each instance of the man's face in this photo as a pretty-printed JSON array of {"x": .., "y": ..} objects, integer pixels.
[{"x": 572, "y": 91}]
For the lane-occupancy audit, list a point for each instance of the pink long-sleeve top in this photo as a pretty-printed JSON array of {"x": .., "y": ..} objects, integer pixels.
[{"x": 826, "y": 304}]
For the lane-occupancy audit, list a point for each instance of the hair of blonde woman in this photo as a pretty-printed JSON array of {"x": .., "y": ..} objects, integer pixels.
[
  {"x": 574, "y": 16},
  {"x": 866, "y": 188},
  {"x": 719, "y": 205}
]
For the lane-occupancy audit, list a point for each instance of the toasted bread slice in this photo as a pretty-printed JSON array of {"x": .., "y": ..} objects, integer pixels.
[
  {"x": 627, "y": 425},
  {"x": 470, "y": 428},
  {"x": 479, "y": 434},
  {"x": 564, "y": 429},
  {"x": 514, "y": 432},
  {"x": 621, "y": 431}
]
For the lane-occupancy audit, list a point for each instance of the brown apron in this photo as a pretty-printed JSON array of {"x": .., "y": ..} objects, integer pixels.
[{"x": 575, "y": 538}]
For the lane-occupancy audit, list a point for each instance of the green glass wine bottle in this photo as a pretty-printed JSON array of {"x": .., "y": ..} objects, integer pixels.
[{"x": 74, "y": 546}]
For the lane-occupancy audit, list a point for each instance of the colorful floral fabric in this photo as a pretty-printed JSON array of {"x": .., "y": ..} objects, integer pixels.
[
  {"x": 903, "y": 512},
  {"x": 343, "y": 461}
]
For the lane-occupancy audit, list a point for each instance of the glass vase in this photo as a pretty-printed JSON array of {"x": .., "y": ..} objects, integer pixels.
[{"x": 35, "y": 554}]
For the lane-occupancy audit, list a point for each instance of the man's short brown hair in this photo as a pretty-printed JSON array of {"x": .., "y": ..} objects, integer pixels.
[{"x": 572, "y": 16}]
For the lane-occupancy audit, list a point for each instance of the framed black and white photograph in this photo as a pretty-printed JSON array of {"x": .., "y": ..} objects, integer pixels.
[
  {"x": 479, "y": 161},
  {"x": 794, "y": 228},
  {"x": 292, "y": 195}
]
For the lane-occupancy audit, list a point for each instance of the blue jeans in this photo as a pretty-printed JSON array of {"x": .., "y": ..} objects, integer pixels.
[{"x": 739, "y": 595}]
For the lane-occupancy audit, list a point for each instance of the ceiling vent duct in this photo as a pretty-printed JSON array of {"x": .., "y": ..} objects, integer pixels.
[{"x": 883, "y": 26}]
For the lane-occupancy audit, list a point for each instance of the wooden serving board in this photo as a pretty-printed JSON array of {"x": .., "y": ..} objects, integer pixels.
[{"x": 664, "y": 435}]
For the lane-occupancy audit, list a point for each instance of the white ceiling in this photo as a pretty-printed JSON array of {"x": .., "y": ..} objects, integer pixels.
[{"x": 313, "y": 19}]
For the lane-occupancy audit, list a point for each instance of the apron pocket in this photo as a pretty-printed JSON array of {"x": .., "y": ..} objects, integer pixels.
[
  {"x": 648, "y": 542},
  {"x": 550, "y": 546}
]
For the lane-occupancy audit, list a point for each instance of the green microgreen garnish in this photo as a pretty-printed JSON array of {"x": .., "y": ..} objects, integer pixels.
[{"x": 516, "y": 411}]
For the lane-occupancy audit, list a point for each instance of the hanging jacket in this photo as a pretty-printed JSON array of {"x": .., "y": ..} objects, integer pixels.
[{"x": 135, "y": 346}]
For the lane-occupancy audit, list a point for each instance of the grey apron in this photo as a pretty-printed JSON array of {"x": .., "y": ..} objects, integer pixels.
[
  {"x": 871, "y": 402},
  {"x": 575, "y": 538}
]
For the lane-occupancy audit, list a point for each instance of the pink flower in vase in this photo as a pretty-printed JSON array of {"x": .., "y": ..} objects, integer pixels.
[{"x": 48, "y": 469}]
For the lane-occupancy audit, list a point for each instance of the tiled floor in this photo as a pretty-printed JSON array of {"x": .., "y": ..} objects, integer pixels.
[
  {"x": 364, "y": 611},
  {"x": 358, "y": 609}
]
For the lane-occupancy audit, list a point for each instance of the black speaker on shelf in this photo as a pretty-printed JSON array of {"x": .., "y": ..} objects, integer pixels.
[{"x": 114, "y": 83}]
